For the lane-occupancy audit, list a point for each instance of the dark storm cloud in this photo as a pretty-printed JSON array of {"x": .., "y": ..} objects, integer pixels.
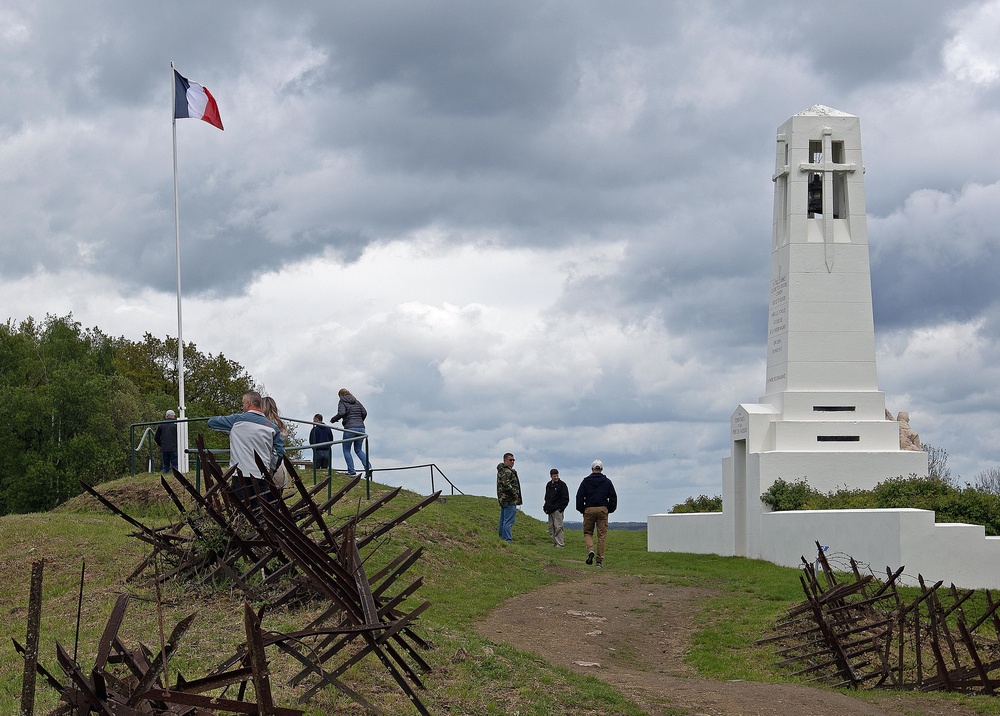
[
  {"x": 935, "y": 259},
  {"x": 468, "y": 120},
  {"x": 463, "y": 60},
  {"x": 856, "y": 43}
]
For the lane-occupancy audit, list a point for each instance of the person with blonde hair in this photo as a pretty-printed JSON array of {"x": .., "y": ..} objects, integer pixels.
[
  {"x": 270, "y": 409},
  {"x": 353, "y": 414}
]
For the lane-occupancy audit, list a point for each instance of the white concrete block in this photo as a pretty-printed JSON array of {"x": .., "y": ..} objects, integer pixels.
[
  {"x": 811, "y": 258},
  {"x": 820, "y": 376},
  {"x": 826, "y": 316},
  {"x": 809, "y": 404},
  {"x": 809, "y": 436},
  {"x": 836, "y": 287},
  {"x": 697, "y": 533},
  {"x": 830, "y": 347},
  {"x": 827, "y": 471},
  {"x": 817, "y": 375}
]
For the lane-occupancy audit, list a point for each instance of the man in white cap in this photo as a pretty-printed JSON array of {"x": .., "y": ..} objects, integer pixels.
[
  {"x": 165, "y": 436},
  {"x": 595, "y": 500}
]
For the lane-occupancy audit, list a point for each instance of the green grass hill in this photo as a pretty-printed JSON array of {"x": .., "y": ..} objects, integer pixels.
[{"x": 467, "y": 573}]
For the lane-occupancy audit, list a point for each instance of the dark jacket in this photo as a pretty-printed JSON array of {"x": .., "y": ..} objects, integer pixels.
[
  {"x": 320, "y": 434},
  {"x": 352, "y": 412},
  {"x": 596, "y": 490},
  {"x": 556, "y": 497},
  {"x": 166, "y": 436}
]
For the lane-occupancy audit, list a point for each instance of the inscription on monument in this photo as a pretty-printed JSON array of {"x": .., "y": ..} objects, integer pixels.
[
  {"x": 778, "y": 323},
  {"x": 740, "y": 427}
]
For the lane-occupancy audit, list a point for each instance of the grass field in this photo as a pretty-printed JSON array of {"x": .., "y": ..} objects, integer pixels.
[{"x": 467, "y": 572}]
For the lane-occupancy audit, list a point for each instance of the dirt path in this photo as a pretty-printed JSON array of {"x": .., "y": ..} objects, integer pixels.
[{"x": 633, "y": 635}]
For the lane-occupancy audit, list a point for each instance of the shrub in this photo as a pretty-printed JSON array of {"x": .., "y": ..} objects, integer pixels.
[
  {"x": 783, "y": 496},
  {"x": 701, "y": 503},
  {"x": 949, "y": 503}
]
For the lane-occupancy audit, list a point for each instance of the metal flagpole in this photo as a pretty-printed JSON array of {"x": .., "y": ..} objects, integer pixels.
[{"x": 182, "y": 427}]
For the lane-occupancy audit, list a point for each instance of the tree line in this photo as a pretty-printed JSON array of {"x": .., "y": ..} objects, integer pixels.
[{"x": 68, "y": 396}]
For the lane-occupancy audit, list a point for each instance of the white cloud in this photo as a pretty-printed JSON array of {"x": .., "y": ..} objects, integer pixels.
[
  {"x": 972, "y": 54},
  {"x": 536, "y": 228}
]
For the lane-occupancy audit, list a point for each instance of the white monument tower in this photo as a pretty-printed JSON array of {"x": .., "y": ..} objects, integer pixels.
[{"x": 822, "y": 417}]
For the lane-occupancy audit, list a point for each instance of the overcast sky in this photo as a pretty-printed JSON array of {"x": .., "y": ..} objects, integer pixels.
[{"x": 536, "y": 227}]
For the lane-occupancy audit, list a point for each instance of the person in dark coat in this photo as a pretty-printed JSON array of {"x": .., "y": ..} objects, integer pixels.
[
  {"x": 353, "y": 413},
  {"x": 321, "y": 434},
  {"x": 595, "y": 500},
  {"x": 165, "y": 436},
  {"x": 556, "y": 502}
]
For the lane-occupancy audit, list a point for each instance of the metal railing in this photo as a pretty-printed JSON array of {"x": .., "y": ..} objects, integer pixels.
[
  {"x": 147, "y": 435},
  {"x": 432, "y": 467},
  {"x": 354, "y": 435},
  {"x": 148, "y": 432}
]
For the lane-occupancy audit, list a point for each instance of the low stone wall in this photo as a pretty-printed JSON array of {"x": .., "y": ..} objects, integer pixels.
[
  {"x": 954, "y": 552},
  {"x": 696, "y": 532}
]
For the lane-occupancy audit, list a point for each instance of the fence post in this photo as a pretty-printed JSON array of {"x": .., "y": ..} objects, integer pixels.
[
  {"x": 150, "y": 446},
  {"x": 31, "y": 645}
]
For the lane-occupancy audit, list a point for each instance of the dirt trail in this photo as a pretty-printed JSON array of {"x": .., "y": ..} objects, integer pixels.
[{"x": 633, "y": 635}]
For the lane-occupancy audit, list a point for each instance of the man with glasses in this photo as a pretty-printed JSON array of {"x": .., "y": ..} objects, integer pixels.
[{"x": 509, "y": 496}]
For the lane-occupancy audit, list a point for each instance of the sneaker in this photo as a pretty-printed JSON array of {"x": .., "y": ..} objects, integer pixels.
[
  {"x": 600, "y": 564},
  {"x": 590, "y": 557}
]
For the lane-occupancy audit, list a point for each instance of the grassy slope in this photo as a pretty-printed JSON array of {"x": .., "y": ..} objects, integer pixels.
[{"x": 467, "y": 572}]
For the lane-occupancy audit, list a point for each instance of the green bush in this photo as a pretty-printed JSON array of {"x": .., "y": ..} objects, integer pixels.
[
  {"x": 948, "y": 502},
  {"x": 701, "y": 503},
  {"x": 785, "y": 496}
]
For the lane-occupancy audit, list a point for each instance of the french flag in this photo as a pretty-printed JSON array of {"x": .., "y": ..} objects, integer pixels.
[{"x": 191, "y": 100}]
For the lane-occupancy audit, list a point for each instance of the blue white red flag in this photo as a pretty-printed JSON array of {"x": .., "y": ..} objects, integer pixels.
[{"x": 192, "y": 100}]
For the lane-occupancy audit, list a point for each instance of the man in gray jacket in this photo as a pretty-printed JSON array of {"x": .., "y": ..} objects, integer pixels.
[{"x": 251, "y": 433}]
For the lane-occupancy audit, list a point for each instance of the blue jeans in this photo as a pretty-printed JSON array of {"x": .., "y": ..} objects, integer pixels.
[
  {"x": 169, "y": 460},
  {"x": 506, "y": 527},
  {"x": 357, "y": 443}
]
